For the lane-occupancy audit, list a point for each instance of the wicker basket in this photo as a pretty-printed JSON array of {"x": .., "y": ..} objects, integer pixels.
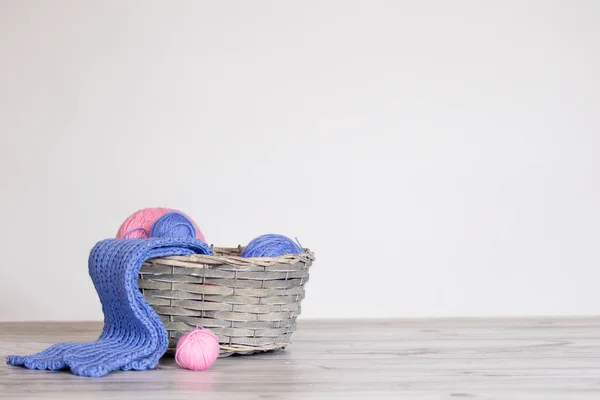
[{"x": 251, "y": 304}]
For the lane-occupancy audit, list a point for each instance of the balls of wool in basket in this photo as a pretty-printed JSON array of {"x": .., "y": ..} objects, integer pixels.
[
  {"x": 197, "y": 350},
  {"x": 271, "y": 245},
  {"x": 173, "y": 224},
  {"x": 139, "y": 224}
]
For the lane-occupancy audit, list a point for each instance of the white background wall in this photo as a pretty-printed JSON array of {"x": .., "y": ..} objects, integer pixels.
[{"x": 441, "y": 158}]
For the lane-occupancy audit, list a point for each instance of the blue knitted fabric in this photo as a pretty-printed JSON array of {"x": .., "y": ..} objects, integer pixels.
[{"x": 133, "y": 336}]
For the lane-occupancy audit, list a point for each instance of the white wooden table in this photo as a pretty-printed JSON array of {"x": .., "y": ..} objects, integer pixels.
[{"x": 542, "y": 358}]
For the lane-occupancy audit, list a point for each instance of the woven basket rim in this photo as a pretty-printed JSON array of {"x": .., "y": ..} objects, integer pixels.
[{"x": 193, "y": 260}]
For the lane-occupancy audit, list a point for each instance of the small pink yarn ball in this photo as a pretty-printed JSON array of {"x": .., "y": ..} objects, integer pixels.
[
  {"x": 138, "y": 224},
  {"x": 197, "y": 350}
]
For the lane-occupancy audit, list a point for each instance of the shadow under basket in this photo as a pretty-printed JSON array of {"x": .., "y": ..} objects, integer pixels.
[{"x": 251, "y": 304}]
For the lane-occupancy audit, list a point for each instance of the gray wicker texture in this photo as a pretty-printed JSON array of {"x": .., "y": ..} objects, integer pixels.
[{"x": 251, "y": 304}]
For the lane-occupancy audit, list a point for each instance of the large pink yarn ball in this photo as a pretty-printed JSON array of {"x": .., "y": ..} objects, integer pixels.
[
  {"x": 197, "y": 350},
  {"x": 138, "y": 224}
]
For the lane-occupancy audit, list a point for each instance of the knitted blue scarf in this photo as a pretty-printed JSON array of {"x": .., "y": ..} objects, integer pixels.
[{"x": 133, "y": 336}]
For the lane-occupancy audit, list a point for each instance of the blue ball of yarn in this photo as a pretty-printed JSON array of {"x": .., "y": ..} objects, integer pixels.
[
  {"x": 271, "y": 245},
  {"x": 173, "y": 224}
]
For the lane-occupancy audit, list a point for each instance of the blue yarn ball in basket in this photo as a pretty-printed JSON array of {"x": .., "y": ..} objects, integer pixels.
[
  {"x": 271, "y": 245},
  {"x": 173, "y": 224}
]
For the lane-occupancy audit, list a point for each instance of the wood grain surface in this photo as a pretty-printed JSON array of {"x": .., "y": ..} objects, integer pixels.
[{"x": 542, "y": 358}]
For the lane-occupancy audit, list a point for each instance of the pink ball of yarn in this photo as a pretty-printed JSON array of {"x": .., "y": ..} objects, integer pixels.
[
  {"x": 138, "y": 224},
  {"x": 197, "y": 350}
]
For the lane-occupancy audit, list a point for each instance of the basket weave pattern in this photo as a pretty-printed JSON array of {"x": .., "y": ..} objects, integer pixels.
[{"x": 251, "y": 304}]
